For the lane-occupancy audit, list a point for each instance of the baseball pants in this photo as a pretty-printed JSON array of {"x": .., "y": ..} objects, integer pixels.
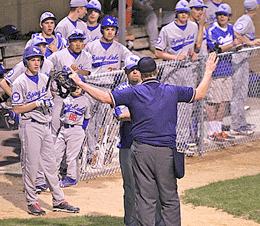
[
  {"x": 153, "y": 169},
  {"x": 37, "y": 148}
]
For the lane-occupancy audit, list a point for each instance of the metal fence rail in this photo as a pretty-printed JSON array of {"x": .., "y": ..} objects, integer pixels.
[{"x": 232, "y": 101}]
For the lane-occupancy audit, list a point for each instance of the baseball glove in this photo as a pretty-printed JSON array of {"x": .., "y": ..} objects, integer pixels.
[{"x": 65, "y": 84}]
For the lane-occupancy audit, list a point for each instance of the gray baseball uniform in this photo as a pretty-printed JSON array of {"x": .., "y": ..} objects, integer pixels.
[
  {"x": 61, "y": 61},
  {"x": 245, "y": 27},
  {"x": 176, "y": 41},
  {"x": 65, "y": 26},
  {"x": 210, "y": 12},
  {"x": 71, "y": 133},
  {"x": 95, "y": 32},
  {"x": 36, "y": 140}
]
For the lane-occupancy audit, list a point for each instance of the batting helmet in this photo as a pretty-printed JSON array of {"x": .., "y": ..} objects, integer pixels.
[
  {"x": 109, "y": 21},
  {"x": 32, "y": 51}
]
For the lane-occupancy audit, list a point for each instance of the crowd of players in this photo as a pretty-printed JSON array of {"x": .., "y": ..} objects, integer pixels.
[{"x": 89, "y": 48}]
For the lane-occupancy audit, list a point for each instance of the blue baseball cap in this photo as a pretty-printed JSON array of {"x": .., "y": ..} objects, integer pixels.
[
  {"x": 251, "y": 4},
  {"x": 131, "y": 61},
  {"x": 47, "y": 15},
  {"x": 76, "y": 34},
  {"x": 224, "y": 8},
  {"x": 36, "y": 40},
  {"x": 182, "y": 5},
  {"x": 197, "y": 4},
  {"x": 94, "y": 4}
]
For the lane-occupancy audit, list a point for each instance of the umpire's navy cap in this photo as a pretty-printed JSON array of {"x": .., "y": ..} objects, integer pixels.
[{"x": 146, "y": 64}]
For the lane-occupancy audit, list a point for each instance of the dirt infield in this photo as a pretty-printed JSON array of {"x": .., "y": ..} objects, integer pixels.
[{"x": 104, "y": 196}]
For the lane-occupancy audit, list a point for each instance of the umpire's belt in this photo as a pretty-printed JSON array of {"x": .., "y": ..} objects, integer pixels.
[
  {"x": 68, "y": 125},
  {"x": 42, "y": 123}
]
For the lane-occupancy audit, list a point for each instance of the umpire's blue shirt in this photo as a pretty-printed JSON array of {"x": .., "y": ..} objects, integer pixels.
[{"x": 153, "y": 109}]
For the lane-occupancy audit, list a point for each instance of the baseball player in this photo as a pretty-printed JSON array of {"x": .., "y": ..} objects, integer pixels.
[
  {"x": 211, "y": 11},
  {"x": 177, "y": 41},
  {"x": 74, "y": 57},
  {"x": 54, "y": 42},
  {"x": 32, "y": 99},
  {"x": 74, "y": 118},
  {"x": 220, "y": 38},
  {"x": 245, "y": 31},
  {"x": 93, "y": 15},
  {"x": 122, "y": 114},
  {"x": 77, "y": 11},
  {"x": 156, "y": 162}
]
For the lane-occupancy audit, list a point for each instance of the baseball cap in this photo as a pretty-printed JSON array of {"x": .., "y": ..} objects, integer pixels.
[
  {"x": 251, "y": 4},
  {"x": 146, "y": 64},
  {"x": 47, "y": 15},
  {"x": 131, "y": 61},
  {"x": 182, "y": 5},
  {"x": 224, "y": 8},
  {"x": 76, "y": 34},
  {"x": 78, "y": 3},
  {"x": 36, "y": 40},
  {"x": 197, "y": 4},
  {"x": 94, "y": 4}
]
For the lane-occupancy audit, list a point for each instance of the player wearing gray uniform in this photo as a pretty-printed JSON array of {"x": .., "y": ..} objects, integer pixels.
[
  {"x": 54, "y": 42},
  {"x": 176, "y": 41},
  {"x": 75, "y": 112},
  {"x": 212, "y": 7},
  {"x": 74, "y": 57},
  {"x": 107, "y": 55},
  {"x": 245, "y": 31},
  {"x": 77, "y": 11},
  {"x": 94, "y": 12},
  {"x": 32, "y": 99}
]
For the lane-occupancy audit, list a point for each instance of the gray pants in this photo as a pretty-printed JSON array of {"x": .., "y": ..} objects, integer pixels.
[
  {"x": 153, "y": 169},
  {"x": 125, "y": 158},
  {"x": 37, "y": 148},
  {"x": 240, "y": 89}
]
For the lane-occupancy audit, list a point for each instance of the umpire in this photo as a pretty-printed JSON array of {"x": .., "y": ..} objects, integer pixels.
[{"x": 156, "y": 163}]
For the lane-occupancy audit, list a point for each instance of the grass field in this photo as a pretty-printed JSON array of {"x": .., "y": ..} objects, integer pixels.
[{"x": 239, "y": 197}]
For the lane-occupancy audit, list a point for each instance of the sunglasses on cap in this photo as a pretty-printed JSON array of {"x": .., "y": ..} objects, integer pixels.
[
  {"x": 182, "y": 11},
  {"x": 221, "y": 14},
  {"x": 128, "y": 71}
]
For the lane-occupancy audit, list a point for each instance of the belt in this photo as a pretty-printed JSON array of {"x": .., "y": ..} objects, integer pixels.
[
  {"x": 42, "y": 123},
  {"x": 68, "y": 125}
]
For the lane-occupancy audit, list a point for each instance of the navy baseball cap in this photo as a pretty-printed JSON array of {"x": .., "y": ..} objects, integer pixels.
[
  {"x": 146, "y": 64},
  {"x": 76, "y": 34},
  {"x": 47, "y": 15}
]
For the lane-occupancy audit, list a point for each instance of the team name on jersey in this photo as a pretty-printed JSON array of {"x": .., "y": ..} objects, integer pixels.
[
  {"x": 36, "y": 95},
  {"x": 111, "y": 59},
  {"x": 180, "y": 43},
  {"x": 75, "y": 109},
  {"x": 65, "y": 68},
  {"x": 225, "y": 40}
]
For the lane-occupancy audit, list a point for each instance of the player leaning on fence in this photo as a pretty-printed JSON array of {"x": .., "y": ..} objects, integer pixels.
[{"x": 156, "y": 163}]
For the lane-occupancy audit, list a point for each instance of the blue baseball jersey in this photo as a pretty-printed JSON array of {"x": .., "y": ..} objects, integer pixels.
[
  {"x": 174, "y": 40},
  {"x": 125, "y": 127},
  {"x": 153, "y": 109},
  {"x": 221, "y": 36}
]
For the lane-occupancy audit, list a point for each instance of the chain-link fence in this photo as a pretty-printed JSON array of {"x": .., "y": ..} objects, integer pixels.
[{"x": 229, "y": 115}]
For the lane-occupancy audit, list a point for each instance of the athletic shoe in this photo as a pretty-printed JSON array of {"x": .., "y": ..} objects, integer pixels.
[
  {"x": 68, "y": 182},
  {"x": 226, "y": 136},
  {"x": 243, "y": 130},
  {"x": 41, "y": 188},
  {"x": 66, "y": 207},
  {"x": 216, "y": 137},
  {"x": 189, "y": 153},
  {"x": 35, "y": 209}
]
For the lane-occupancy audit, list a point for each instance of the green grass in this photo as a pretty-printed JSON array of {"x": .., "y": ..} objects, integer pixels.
[
  {"x": 66, "y": 221},
  {"x": 239, "y": 197}
]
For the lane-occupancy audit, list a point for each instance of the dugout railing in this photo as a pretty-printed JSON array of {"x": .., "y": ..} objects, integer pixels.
[{"x": 100, "y": 155}]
